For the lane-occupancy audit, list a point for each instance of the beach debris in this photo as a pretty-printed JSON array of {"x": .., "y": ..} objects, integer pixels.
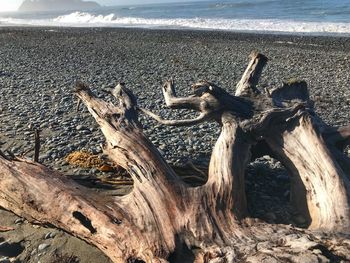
[{"x": 88, "y": 160}]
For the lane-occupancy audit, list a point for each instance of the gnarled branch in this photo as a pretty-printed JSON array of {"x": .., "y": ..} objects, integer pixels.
[
  {"x": 163, "y": 215},
  {"x": 201, "y": 118}
]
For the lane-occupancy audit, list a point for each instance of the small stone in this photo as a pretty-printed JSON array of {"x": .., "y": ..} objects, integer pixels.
[
  {"x": 53, "y": 234},
  {"x": 162, "y": 147},
  {"x": 80, "y": 127},
  {"x": 5, "y": 260},
  {"x": 33, "y": 252},
  {"x": 44, "y": 156},
  {"x": 43, "y": 246},
  {"x": 19, "y": 221}
]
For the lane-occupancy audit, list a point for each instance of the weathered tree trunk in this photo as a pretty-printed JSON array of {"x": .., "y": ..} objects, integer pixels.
[{"x": 163, "y": 216}]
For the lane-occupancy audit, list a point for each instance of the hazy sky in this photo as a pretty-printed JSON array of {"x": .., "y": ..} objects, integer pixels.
[{"x": 12, "y": 5}]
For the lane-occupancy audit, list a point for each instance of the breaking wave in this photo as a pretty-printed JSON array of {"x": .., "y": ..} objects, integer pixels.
[{"x": 84, "y": 19}]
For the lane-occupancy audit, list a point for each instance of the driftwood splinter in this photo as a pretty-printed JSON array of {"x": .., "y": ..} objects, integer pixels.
[{"x": 163, "y": 219}]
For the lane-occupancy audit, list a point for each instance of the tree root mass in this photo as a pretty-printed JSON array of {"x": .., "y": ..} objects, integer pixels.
[{"x": 163, "y": 219}]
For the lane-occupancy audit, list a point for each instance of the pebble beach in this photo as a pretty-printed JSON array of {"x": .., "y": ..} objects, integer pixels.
[{"x": 40, "y": 66}]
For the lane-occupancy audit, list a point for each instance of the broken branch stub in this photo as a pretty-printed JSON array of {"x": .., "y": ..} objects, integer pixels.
[{"x": 247, "y": 85}]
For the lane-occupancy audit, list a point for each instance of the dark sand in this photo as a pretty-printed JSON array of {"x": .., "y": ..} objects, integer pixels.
[{"x": 39, "y": 66}]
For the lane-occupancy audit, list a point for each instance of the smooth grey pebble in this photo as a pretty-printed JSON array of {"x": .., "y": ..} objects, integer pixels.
[
  {"x": 80, "y": 127},
  {"x": 43, "y": 246},
  {"x": 19, "y": 221}
]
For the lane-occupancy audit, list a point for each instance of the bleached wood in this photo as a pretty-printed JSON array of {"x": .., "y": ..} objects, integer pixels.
[
  {"x": 164, "y": 218},
  {"x": 186, "y": 122},
  {"x": 250, "y": 78},
  {"x": 325, "y": 185}
]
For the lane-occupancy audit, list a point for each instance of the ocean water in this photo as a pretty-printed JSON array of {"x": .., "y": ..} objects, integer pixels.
[{"x": 317, "y": 17}]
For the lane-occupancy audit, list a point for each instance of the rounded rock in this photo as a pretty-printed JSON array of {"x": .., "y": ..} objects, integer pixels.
[{"x": 43, "y": 246}]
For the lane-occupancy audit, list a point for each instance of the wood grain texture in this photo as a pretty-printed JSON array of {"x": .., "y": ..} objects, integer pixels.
[{"x": 163, "y": 218}]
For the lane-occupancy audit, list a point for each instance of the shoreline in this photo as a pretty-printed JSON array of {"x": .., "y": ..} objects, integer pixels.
[
  {"x": 85, "y": 19},
  {"x": 327, "y": 42},
  {"x": 259, "y": 33}
]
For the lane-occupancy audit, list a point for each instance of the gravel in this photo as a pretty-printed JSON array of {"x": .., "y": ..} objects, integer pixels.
[{"x": 39, "y": 67}]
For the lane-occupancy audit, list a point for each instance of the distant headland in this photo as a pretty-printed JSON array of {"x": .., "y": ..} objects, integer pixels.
[{"x": 56, "y": 5}]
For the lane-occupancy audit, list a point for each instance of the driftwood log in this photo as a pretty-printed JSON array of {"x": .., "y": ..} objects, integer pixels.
[{"x": 163, "y": 219}]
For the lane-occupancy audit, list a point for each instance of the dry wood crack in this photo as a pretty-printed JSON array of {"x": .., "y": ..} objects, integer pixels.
[{"x": 163, "y": 218}]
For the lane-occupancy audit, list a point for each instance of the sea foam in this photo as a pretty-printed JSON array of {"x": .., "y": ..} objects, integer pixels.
[{"x": 84, "y": 19}]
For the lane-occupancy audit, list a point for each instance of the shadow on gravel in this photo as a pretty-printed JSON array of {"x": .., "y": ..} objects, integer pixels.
[
  {"x": 11, "y": 249},
  {"x": 267, "y": 187},
  {"x": 268, "y": 192}
]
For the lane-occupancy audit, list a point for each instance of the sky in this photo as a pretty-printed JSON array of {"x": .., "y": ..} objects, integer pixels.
[{"x": 12, "y": 5}]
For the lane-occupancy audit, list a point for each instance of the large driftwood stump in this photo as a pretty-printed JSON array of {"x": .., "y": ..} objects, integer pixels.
[{"x": 163, "y": 218}]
